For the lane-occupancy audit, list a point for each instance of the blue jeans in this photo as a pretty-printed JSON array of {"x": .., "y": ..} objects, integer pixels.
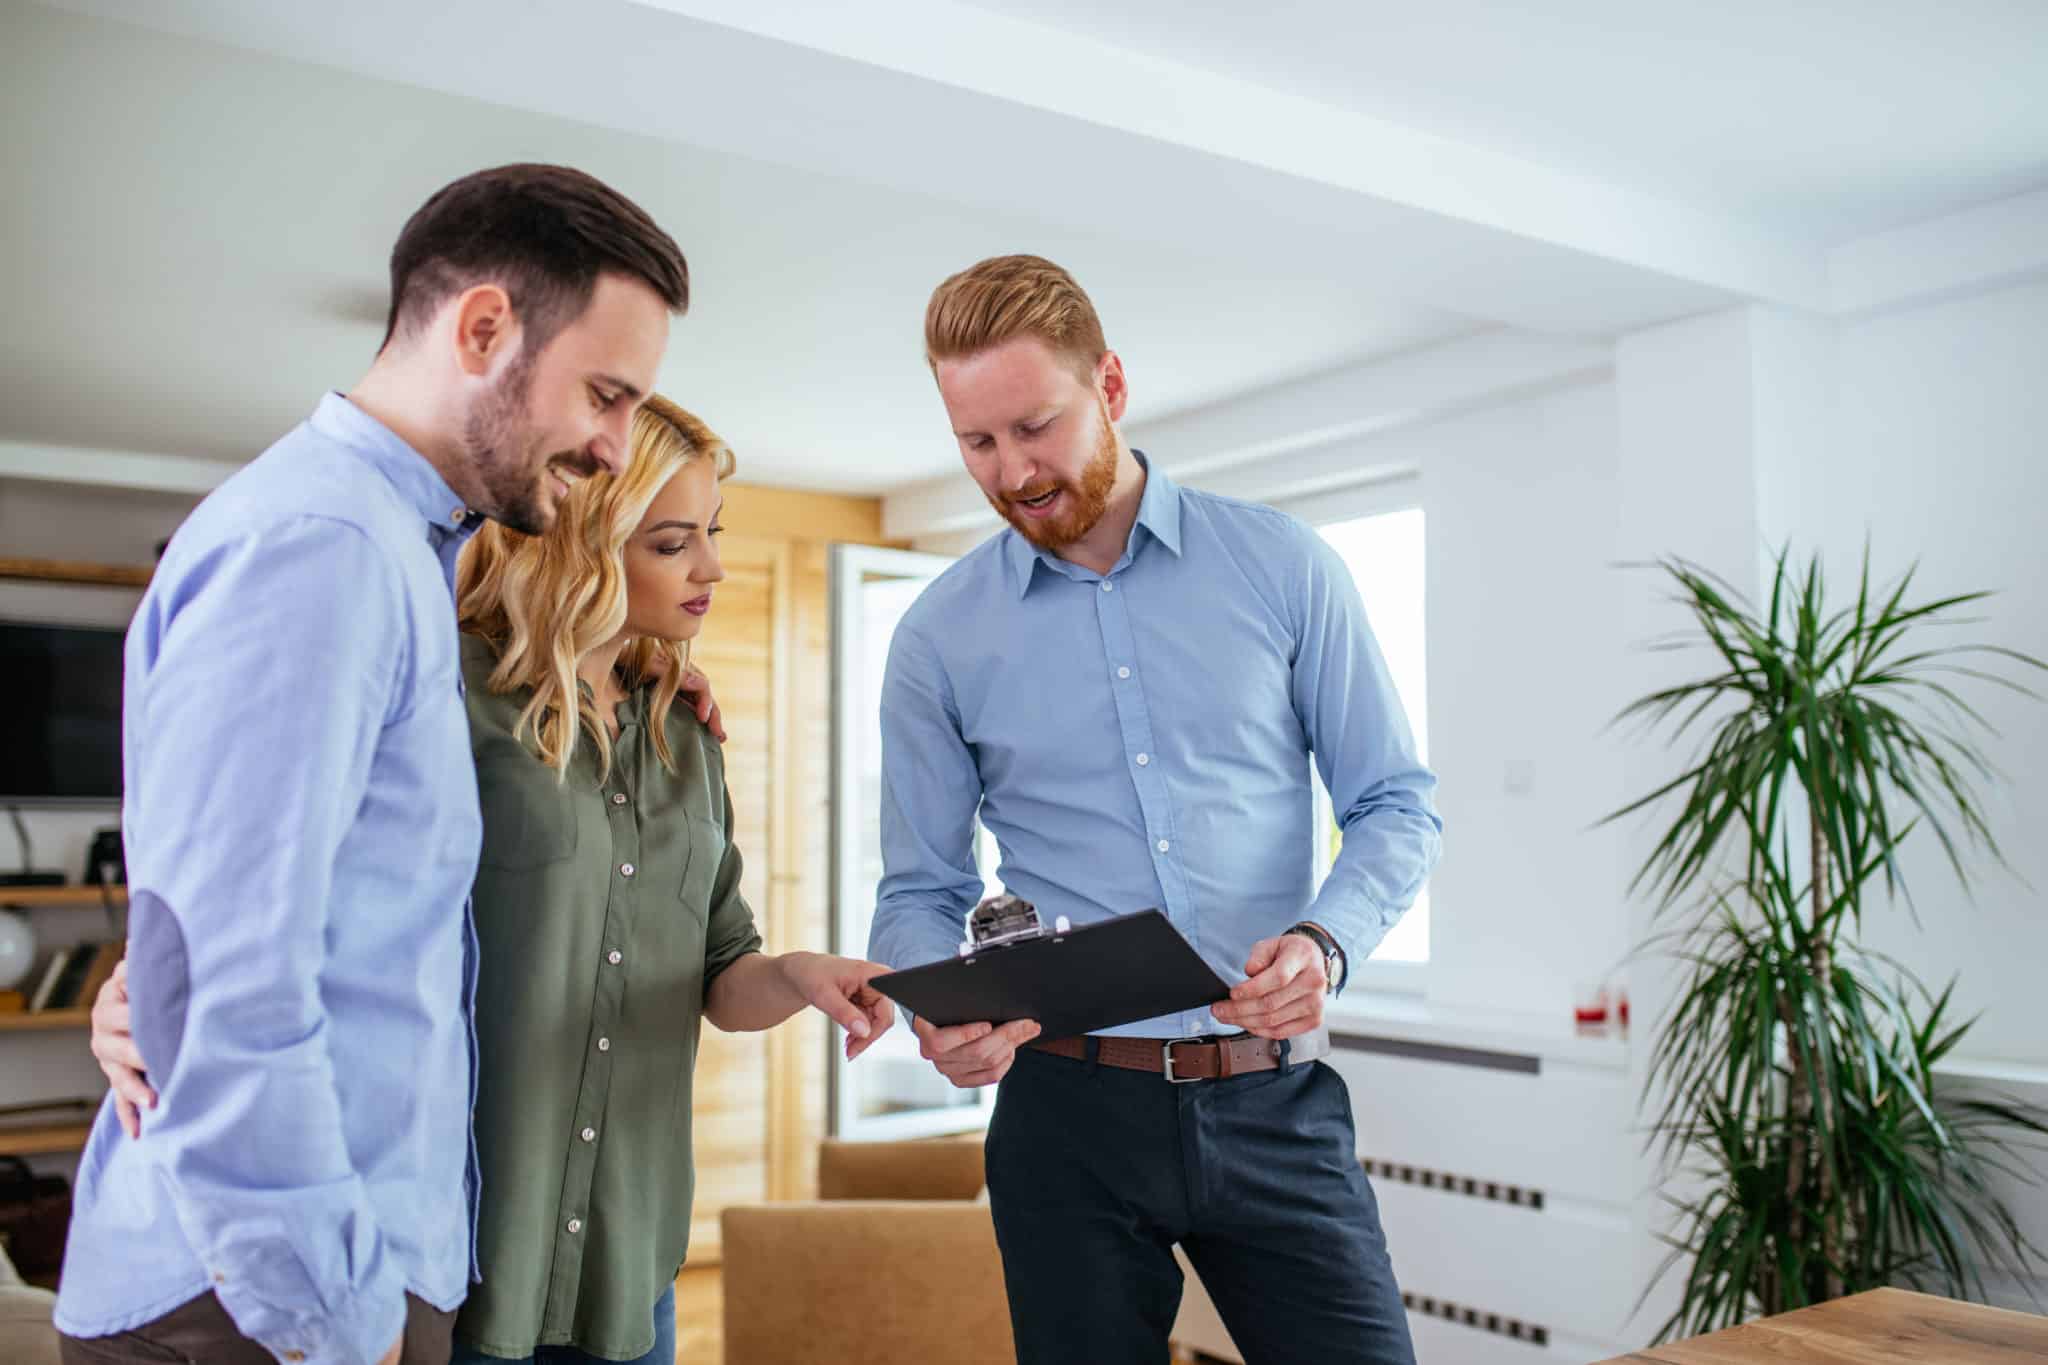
[
  {"x": 664, "y": 1352},
  {"x": 1095, "y": 1173}
]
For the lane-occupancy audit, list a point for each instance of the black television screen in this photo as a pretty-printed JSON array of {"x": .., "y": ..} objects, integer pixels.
[{"x": 60, "y": 725}]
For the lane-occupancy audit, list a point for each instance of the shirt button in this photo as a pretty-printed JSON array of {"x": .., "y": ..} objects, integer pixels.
[
  {"x": 1164, "y": 846},
  {"x": 1143, "y": 759},
  {"x": 575, "y": 1225},
  {"x": 294, "y": 1356},
  {"x": 618, "y": 798},
  {"x": 1123, "y": 672},
  {"x": 625, "y": 869},
  {"x": 589, "y": 1134},
  {"x": 219, "y": 1278},
  {"x": 458, "y": 516},
  {"x": 615, "y": 957},
  {"x": 604, "y": 1045},
  {"x": 1108, "y": 586}
]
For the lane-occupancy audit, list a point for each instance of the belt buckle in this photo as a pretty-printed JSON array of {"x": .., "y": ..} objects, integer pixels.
[{"x": 1166, "y": 1059}]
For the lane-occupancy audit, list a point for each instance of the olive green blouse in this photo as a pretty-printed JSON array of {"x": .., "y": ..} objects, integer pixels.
[{"x": 604, "y": 912}]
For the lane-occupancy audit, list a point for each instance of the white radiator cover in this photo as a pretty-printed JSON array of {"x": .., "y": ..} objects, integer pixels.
[{"x": 1551, "y": 1125}]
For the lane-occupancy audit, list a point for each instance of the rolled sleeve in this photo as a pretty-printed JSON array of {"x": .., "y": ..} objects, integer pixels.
[{"x": 731, "y": 932}]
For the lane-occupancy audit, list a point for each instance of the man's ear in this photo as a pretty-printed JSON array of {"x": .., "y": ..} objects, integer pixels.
[
  {"x": 1112, "y": 385},
  {"x": 485, "y": 328}
]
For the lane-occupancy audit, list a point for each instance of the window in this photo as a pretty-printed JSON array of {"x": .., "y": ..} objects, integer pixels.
[
  {"x": 893, "y": 1092},
  {"x": 1382, "y": 546}
]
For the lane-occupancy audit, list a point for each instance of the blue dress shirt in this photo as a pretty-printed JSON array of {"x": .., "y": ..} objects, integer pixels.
[
  {"x": 1142, "y": 739},
  {"x": 302, "y": 832}
]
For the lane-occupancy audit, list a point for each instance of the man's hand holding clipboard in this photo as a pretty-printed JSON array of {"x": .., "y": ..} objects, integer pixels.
[
  {"x": 971, "y": 1055},
  {"x": 1017, "y": 980}
]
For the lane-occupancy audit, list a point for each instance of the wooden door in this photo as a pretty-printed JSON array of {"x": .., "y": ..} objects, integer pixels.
[{"x": 737, "y": 650}]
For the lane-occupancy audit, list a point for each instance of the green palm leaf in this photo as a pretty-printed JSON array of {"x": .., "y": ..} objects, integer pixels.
[{"x": 1794, "y": 1073}]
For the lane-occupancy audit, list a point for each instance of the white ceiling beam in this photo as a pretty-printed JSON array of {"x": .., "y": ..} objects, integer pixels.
[
  {"x": 1058, "y": 72},
  {"x": 1984, "y": 246},
  {"x": 112, "y": 468},
  {"x": 1302, "y": 436},
  {"x": 972, "y": 108},
  {"x": 1398, "y": 390}
]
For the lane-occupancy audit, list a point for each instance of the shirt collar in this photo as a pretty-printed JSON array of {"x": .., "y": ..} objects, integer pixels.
[
  {"x": 417, "y": 482},
  {"x": 1158, "y": 517}
]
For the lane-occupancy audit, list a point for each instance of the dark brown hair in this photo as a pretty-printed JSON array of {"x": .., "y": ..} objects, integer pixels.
[{"x": 544, "y": 233}]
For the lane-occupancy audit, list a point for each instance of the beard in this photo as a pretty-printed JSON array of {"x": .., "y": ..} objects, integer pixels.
[
  {"x": 1086, "y": 500},
  {"x": 499, "y": 439}
]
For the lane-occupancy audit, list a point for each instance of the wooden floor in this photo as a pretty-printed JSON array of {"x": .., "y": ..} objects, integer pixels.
[
  {"x": 1883, "y": 1327},
  {"x": 700, "y": 1320},
  {"x": 700, "y": 1317}
]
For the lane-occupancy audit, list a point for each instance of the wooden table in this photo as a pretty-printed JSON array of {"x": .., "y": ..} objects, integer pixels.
[{"x": 1882, "y": 1327}]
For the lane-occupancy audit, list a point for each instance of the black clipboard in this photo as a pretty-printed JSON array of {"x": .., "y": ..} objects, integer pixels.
[{"x": 1095, "y": 977}]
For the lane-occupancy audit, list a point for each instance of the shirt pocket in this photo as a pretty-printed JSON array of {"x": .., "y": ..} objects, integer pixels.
[
  {"x": 701, "y": 861},
  {"x": 529, "y": 818}
]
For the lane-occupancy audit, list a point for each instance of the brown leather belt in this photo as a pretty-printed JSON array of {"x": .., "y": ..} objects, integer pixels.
[{"x": 1181, "y": 1060}]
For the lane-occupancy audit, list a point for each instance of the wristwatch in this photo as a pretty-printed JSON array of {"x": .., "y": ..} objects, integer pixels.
[{"x": 1335, "y": 966}]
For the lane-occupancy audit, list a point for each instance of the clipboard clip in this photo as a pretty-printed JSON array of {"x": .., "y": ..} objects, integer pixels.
[{"x": 1001, "y": 921}]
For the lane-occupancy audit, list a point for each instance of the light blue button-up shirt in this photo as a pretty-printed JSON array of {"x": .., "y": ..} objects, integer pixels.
[
  {"x": 1142, "y": 740},
  {"x": 302, "y": 832}
]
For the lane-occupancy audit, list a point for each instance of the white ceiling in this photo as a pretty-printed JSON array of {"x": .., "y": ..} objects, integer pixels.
[
  {"x": 201, "y": 192},
  {"x": 1825, "y": 120},
  {"x": 186, "y": 222}
]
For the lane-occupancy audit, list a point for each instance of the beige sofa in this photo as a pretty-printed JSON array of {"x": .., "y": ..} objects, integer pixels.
[
  {"x": 895, "y": 1261},
  {"x": 26, "y": 1336}
]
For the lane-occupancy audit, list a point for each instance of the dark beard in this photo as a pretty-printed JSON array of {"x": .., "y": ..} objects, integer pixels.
[
  {"x": 498, "y": 442},
  {"x": 1090, "y": 499}
]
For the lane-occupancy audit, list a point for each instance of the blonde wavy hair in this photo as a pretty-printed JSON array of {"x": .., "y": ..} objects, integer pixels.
[{"x": 545, "y": 601}]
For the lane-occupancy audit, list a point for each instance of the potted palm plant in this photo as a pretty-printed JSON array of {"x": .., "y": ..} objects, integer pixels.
[{"x": 1807, "y": 1148}]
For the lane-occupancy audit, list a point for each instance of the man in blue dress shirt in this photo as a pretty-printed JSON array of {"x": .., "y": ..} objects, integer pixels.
[
  {"x": 301, "y": 810},
  {"x": 1127, "y": 687}
]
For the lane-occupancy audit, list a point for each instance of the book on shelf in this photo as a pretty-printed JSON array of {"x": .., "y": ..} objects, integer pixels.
[
  {"x": 73, "y": 976},
  {"x": 46, "y": 985}
]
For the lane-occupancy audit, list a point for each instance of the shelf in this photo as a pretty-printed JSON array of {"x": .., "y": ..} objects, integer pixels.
[
  {"x": 75, "y": 571},
  {"x": 77, "y": 897},
  {"x": 42, "y": 1021},
  {"x": 46, "y": 1139},
  {"x": 1410, "y": 1019}
]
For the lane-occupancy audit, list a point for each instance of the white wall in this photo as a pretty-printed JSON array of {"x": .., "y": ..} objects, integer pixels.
[
  {"x": 1719, "y": 438},
  {"x": 1523, "y": 594},
  {"x": 1939, "y": 453}
]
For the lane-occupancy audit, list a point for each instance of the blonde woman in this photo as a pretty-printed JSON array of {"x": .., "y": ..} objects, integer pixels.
[{"x": 607, "y": 905}]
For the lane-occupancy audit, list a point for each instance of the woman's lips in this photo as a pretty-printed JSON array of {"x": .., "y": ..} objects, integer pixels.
[{"x": 699, "y": 605}]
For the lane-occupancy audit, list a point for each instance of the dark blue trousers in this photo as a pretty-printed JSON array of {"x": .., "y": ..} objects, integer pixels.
[{"x": 1095, "y": 1173}]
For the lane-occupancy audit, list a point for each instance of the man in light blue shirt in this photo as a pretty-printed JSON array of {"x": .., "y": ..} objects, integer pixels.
[
  {"x": 301, "y": 809},
  {"x": 1127, "y": 687}
]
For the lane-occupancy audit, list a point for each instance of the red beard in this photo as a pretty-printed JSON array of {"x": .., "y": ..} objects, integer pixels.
[{"x": 1084, "y": 504}]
